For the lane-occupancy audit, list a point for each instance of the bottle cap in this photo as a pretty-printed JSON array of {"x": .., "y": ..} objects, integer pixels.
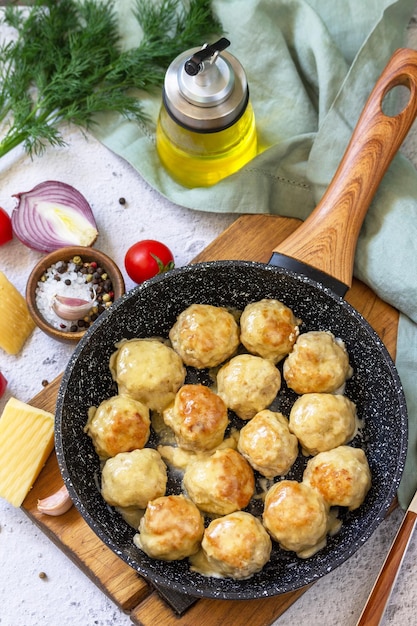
[{"x": 205, "y": 88}]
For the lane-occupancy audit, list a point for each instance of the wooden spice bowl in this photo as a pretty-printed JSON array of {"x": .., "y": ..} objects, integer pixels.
[{"x": 88, "y": 255}]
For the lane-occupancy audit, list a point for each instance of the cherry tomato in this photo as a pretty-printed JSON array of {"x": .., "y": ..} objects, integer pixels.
[
  {"x": 147, "y": 258},
  {"x": 3, "y": 384},
  {"x": 6, "y": 232}
]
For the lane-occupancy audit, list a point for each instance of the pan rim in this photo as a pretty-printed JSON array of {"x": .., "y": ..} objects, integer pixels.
[{"x": 217, "y": 593}]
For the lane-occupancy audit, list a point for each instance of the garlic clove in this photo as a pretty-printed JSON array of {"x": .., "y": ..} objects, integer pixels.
[
  {"x": 71, "y": 308},
  {"x": 57, "y": 503}
]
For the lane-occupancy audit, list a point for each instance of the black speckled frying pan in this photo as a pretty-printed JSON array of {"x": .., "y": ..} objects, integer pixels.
[{"x": 325, "y": 244}]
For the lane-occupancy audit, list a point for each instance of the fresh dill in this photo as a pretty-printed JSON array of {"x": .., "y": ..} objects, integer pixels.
[{"x": 66, "y": 63}]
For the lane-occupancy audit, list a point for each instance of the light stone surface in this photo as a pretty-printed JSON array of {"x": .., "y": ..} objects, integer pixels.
[{"x": 66, "y": 596}]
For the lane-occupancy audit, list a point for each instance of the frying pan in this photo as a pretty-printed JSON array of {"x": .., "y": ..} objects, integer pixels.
[{"x": 315, "y": 266}]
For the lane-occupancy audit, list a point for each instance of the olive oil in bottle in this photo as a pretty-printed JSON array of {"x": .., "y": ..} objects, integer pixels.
[{"x": 206, "y": 127}]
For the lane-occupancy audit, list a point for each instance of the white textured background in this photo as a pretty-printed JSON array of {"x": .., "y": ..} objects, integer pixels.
[{"x": 66, "y": 596}]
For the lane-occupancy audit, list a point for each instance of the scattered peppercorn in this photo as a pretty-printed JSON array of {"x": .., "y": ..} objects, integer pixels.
[
  {"x": 45, "y": 383},
  {"x": 122, "y": 201},
  {"x": 42, "y": 575}
]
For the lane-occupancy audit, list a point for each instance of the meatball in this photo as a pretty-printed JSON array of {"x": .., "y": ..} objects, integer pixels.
[
  {"x": 147, "y": 370},
  {"x": 248, "y": 384},
  {"x": 119, "y": 424},
  {"x": 296, "y": 516},
  {"x": 234, "y": 546},
  {"x": 198, "y": 418},
  {"x": 220, "y": 483},
  {"x": 131, "y": 479},
  {"x": 172, "y": 528},
  {"x": 322, "y": 421},
  {"x": 269, "y": 329},
  {"x": 266, "y": 442},
  {"x": 341, "y": 475},
  {"x": 205, "y": 335},
  {"x": 318, "y": 363}
]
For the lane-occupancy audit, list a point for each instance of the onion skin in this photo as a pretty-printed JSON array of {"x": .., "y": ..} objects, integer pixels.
[{"x": 67, "y": 210}]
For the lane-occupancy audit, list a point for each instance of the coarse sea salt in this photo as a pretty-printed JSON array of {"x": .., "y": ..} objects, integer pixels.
[{"x": 50, "y": 287}]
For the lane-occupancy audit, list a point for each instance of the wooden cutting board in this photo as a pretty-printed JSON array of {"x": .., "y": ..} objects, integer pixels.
[{"x": 251, "y": 237}]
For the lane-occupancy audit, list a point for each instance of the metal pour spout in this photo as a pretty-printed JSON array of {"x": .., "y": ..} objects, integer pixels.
[{"x": 195, "y": 64}]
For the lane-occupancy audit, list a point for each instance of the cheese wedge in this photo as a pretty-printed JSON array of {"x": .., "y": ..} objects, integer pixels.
[
  {"x": 16, "y": 323},
  {"x": 26, "y": 441}
]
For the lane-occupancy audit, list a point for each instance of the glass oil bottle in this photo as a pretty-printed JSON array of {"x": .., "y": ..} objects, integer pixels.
[{"x": 206, "y": 127}]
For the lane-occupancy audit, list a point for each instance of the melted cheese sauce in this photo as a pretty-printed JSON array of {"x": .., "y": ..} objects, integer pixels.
[
  {"x": 200, "y": 564},
  {"x": 179, "y": 459}
]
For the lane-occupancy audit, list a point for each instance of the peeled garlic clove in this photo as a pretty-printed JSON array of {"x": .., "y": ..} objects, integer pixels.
[
  {"x": 71, "y": 308},
  {"x": 57, "y": 503}
]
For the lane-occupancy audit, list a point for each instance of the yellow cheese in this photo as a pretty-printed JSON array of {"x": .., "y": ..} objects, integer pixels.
[
  {"x": 16, "y": 323},
  {"x": 26, "y": 441}
]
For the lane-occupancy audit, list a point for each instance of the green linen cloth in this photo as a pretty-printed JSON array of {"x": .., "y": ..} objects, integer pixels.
[{"x": 310, "y": 65}]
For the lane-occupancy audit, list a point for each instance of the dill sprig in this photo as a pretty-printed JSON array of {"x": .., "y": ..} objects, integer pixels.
[{"x": 66, "y": 63}]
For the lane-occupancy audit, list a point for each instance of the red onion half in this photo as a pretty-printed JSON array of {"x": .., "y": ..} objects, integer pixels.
[{"x": 53, "y": 215}]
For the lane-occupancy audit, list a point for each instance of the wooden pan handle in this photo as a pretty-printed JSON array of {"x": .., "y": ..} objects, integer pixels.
[
  {"x": 375, "y": 606},
  {"x": 327, "y": 239}
]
